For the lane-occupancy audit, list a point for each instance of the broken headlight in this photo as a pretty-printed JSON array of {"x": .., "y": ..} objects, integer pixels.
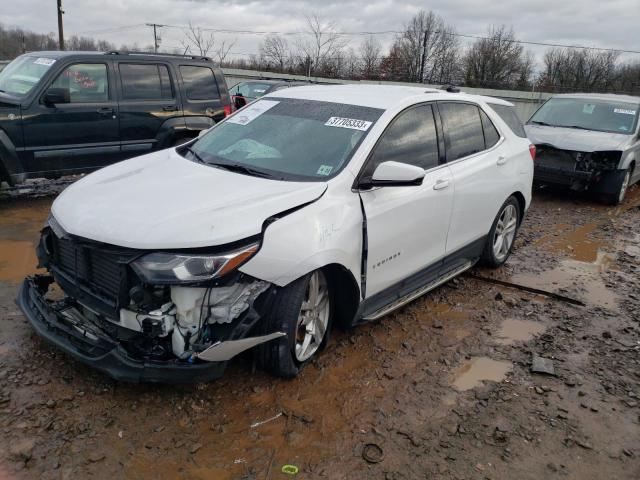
[{"x": 172, "y": 268}]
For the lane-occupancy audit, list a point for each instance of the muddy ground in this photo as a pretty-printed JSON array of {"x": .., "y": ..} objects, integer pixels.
[{"x": 440, "y": 389}]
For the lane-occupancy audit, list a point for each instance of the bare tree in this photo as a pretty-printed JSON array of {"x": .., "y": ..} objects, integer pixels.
[
  {"x": 495, "y": 61},
  {"x": 370, "y": 56},
  {"x": 195, "y": 37},
  {"x": 275, "y": 49},
  {"x": 324, "y": 42},
  {"x": 579, "y": 70},
  {"x": 223, "y": 50}
]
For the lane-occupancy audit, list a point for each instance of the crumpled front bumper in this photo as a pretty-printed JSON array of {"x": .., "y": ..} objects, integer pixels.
[
  {"x": 560, "y": 176},
  {"x": 103, "y": 354}
]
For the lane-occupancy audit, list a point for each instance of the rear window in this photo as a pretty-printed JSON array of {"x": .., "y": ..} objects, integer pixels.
[
  {"x": 509, "y": 116},
  {"x": 145, "y": 81},
  {"x": 200, "y": 83},
  {"x": 253, "y": 89}
]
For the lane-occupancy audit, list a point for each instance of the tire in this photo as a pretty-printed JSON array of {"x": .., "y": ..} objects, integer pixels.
[
  {"x": 621, "y": 190},
  {"x": 286, "y": 356},
  {"x": 509, "y": 211}
]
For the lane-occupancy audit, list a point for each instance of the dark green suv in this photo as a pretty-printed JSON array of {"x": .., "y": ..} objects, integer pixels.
[{"x": 72, "y": 112}]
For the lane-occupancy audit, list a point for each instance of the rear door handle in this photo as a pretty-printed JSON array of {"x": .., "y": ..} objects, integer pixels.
[
  {"x": 170, "y": 108},
  {"x": 106, "y": 111},
  {"x": 441, "y": 184},
  {"x": 501, "y": 160}
]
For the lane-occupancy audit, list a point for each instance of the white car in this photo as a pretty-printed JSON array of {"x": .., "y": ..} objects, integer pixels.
[{"x": 311, "y": 207}]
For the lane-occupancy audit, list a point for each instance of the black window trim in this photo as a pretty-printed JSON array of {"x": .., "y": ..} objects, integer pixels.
[
  {"x": 439, "y": 135},
  {"x": 174, "y": 90},
  {"x": 54, "y": 77},
  {"x": 184, "y": 84},
  {"x": 482, "y": 152}
]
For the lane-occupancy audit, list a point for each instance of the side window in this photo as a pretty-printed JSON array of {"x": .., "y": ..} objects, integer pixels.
[
  {"x": 509, "y": 116},
  {"x": 491, "y": 135},
  {"x": 87, "y": 82},
  {"x": 200, "y": 83},
  {"x": 463, "y": 133},
  {"x": 411, "y": 139},
  {"x": 145, "y": 81}
]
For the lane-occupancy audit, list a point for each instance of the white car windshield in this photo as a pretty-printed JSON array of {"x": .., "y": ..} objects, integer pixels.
[
  {"x": 588, "y": 114},
  {"x": 24, "y": 73},
  {"x": 288, "y": 139}
]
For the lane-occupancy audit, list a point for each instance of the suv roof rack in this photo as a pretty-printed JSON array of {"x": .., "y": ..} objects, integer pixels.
[
  {"x": 175, "y": 55},
  {"x": 451, "y": 88}
]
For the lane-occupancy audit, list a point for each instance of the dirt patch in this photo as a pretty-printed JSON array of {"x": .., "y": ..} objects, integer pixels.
[{"x": 478, "y": 370}]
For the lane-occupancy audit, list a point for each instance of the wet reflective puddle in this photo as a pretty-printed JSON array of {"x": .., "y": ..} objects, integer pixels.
[
  {"x": 19, "y": 232},
  {"x": 574, "y": 276},
  {"x": 479, "y": 369},
  {"x": 512, "y": 330}
]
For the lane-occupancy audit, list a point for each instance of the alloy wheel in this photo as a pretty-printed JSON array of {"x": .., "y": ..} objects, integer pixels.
[
  {"x": 314, "y": 317},
  {"x": 505, "y": 232}
]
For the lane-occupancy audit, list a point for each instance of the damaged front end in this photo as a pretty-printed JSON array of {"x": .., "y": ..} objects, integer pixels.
[
  {"x": 146, "y": 316},
  {"x": 575, "y": 169}
]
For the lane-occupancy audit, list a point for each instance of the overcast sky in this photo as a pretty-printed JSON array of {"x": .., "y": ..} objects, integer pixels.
[{"x": 599, "y": 23}]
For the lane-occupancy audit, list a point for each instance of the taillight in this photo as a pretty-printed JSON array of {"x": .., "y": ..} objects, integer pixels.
[
  {"x": 227, "y": 110},
  {"x": 532, "y": 151}
]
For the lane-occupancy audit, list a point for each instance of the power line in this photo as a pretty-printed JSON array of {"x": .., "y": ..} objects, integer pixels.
[{"x": 390, "y": 32}]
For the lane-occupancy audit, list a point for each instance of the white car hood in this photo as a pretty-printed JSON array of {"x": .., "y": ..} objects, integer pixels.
[
  {"x": 575, "y": 139},
  {"x": 164, "y": 201}
]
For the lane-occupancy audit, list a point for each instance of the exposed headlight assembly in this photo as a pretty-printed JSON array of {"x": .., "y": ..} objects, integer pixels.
[{"x": 171, "y": 268}]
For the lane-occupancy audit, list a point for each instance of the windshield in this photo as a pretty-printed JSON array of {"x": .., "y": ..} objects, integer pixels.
[
  {"x": 589, "y": 114},
  {"x": 24, "y": 73},
  {"x": 288, "y": 139}
]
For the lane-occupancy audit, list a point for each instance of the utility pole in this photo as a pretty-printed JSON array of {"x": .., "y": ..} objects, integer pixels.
[
  {"x": 156, "y": 39},
  {"x": 60, "y": 31}
]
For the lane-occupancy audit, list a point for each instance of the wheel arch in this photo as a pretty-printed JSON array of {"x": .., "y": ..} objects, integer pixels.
[
  {"x": 522, "y": 204},
  {"x": 345, "y": 292}
]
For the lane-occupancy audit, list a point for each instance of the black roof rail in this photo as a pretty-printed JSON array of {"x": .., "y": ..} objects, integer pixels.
[
  {"x": 451, "y": 88},
  {"x": 287, "y": 79},
  {"x": 153, "y": 54}
]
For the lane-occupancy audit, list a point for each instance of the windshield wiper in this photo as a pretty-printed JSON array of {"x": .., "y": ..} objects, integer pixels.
[
  {"x": 236, "y": 167},
  {"x": 544, "y": 124},
  {"x": 195, "y": 154},
  {"x": 575, "y": 126}
]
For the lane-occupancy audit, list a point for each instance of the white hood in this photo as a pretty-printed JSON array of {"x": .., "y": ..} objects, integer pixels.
[
  {"x": 575, "y": 139},
  {"x": 163, "y": 201}
]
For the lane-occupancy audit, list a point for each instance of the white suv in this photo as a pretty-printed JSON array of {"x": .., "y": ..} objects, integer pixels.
[{"x": 311, "y": 207}]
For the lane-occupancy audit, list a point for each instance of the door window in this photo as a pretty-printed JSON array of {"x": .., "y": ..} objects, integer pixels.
[
  {"x": 411, "y": 138},
  {"x": 463, "y": 131},
  {"x": 491, "y": 135},
  {"x": 145, "y": 81},
  {"x": 199, "y": 82},
  {"x": 87, "y": 82}
]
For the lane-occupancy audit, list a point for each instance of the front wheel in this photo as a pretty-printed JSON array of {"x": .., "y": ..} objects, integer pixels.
[
  {"x": 302, "y": 310},
  {"x": 622, "y": 186},
  {"x": 502, "y": 234}
]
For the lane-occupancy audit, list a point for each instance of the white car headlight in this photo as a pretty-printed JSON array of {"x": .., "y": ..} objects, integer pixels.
[{"x": 173, "y": 268}]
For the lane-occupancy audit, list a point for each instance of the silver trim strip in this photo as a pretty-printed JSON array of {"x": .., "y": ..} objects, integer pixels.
[{"x": 417, "y": 293}]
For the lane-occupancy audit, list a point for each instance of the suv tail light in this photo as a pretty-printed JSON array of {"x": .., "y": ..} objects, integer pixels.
[
  {"x": 532, "y": 151},
  {"x": 227, "y": 110}
]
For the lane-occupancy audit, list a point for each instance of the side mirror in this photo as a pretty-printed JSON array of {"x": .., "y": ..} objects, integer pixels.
[
  {"x": 395, "y": 174},
  {"x": 56, "y": 95},
  {"x": 239, "y": 101}
]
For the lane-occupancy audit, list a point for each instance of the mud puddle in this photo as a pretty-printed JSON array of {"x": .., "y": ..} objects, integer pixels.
[
  {"x": 573, "y": 277},
  {"x": 19, "y": 233},
  {"x": 513, "y": 330},
  {"x": 480, "y": 369}
]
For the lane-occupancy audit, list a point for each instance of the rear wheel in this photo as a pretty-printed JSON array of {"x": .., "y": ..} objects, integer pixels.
[
  {"x": 302, "y": 310},
  {"x": 502, "y": 235}
]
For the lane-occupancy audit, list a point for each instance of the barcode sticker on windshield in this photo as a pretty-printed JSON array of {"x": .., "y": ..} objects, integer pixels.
[
  {"x": 44, "y": 61},
  {"x": 351, "y": 123},
  {"x": 624, "y": 110},
  {"x": 251, "y": 112}
]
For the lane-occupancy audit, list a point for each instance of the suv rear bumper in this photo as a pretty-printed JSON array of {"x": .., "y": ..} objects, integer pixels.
[{"x": 101, "y": 354}]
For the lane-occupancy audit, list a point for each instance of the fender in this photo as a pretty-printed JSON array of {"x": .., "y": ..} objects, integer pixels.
[
  {"x": 325, "y": 232},
  {"x": 10, "y": 166},
  {"x": 168, "y": 131}
]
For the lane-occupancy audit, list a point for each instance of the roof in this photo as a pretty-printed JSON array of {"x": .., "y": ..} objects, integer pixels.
[
  {"x": 82, "y": 53},
  {"x": 611, "y": 97},
  {"x": 375, "y": 96}
]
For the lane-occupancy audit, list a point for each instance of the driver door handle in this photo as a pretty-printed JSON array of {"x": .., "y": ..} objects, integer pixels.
[
  {"x": 501, "y": 160},
  {"x": 106, "y": 111},
  {"x": 441, "y": 184}
]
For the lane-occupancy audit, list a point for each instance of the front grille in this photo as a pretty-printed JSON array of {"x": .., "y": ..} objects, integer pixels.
[{"x": 95, "y": 269}]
